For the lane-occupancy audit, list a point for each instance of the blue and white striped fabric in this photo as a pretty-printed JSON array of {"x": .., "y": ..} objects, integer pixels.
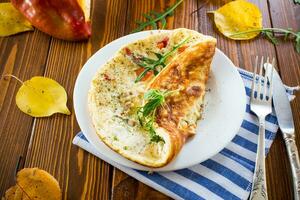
[{"x": 228, "y": 175}]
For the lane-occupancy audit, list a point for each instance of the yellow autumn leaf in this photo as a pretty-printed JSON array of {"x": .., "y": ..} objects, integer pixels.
[
  {"x": 41, "y": 97},
  {"x": 35, "y": 183},
  {"x": 238, "y": 16},
  {"x": 12, "y": 21}
]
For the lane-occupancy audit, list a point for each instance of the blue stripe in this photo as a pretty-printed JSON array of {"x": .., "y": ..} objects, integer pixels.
[
  {"x": 290, "y": 92},
  {"x": 246, "y": 78},
  {"x": 170, "y": 185},
  {"x": 80, "y": 134},
  {"x": 248, "y": 91},
  {"x": 207, "y": 183},
  {"x": 228, "y": 173},
  {"x": 240, "y": 159},
  {"x": 245, "y": 143},
  {"x": 250, "y": 78},
  {"x": 254, "y": 129},
  {"x": 270, "y": 118},
  {"x": 245, "y": 75}
]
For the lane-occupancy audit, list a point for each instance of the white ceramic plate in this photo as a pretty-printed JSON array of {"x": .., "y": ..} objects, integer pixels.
[{"x": 223, "y": 112}]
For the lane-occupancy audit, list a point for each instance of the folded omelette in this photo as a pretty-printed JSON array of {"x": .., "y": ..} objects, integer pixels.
[{"x": 146, "y": 100}]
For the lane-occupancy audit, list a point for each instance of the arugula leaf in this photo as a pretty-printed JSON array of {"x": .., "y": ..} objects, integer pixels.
[
  {"x": 270, "y": 36},
  {"x": 297, "y": 46},
  {"x": 151, "y": 64},
  {"x": 268, "y": 32},
  {"x": 153, "y": 17},
  {"x": 297, "y": 1},
  {"x": 146, "y": 113}
]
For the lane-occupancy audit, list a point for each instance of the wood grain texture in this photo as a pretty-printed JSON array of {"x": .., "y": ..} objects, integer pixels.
[
  {"x": 81, "y": 175},
  {"x": 24, "y": 56},
  {"x": 125, "y": 187},
  {"x": 242, "y": 53},
  {"x": 285, "y": 14},
  {"x": 46, "y": 142}
]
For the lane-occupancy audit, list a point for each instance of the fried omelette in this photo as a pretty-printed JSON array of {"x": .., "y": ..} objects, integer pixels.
[{"x": 118, "y": 88}]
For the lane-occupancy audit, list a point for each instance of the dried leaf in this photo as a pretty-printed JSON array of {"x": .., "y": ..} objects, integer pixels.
[
  {"x": 238, "y": 16},
  {"x": 12, "y": 21},
  {"x": 34, "y": 183},
  {"x": 41, "y": 97},
  {"x": 10, "y": 193}
]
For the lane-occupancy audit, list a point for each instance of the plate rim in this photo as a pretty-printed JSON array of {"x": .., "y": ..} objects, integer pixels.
[{"x": 137, "y": 165}]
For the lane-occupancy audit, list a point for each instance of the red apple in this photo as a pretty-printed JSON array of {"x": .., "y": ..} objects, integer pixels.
[{"x": 64, "y": 19}]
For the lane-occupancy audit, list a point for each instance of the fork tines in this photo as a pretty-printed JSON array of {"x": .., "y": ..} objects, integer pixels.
[{"x": 257, "y": 92}]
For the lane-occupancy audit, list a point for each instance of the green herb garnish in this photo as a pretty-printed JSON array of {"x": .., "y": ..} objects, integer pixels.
[
  {"x": 153, "y": 17},
  {"x": 151, "y": 65},
  {"x": 297, "y": 1},
  {"x": 146, "y": 114},
  {"x": 269, "y": 33},
  {"x": 116, "y": 138}
]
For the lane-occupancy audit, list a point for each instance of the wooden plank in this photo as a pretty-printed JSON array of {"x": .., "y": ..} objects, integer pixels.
[
  {"x": 124, "y": 186},
  {"x": 242, "y": 54},
  {"x": 23, "y": 55},
  {"x": 278, "y": 178},
  {"x": 285, "y": 14},
  {"x": 206, "y": 26},
  {"x": 80, "y": 174},
  {"x": 127, "y": 188}
]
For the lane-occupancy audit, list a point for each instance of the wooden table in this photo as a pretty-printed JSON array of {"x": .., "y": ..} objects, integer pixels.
[{"x": 46, "y": 142}]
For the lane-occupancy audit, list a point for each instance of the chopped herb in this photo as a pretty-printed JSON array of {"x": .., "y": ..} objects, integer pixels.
[
  {"x": 116, "y": 138},
  {"x": 125, "y": 147},
  {"x": 146, "y": 114},
  {"x": 269, "y": 33},
  {"x": 154, "y": 17},
  {"x": 297, "y": 1},
  {"x": 152, "y": 65}
]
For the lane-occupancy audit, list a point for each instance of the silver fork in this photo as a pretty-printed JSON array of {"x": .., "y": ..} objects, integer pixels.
[{"x": 261, "y": 105}]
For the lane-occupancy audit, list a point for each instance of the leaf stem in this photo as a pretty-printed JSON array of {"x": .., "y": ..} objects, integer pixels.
[
  {"x": 161, "y": 17},
  {"x": 265, "y": 29},
  {"x": 176, "y": 47},
  {"x": 13, "y": 76},
  {"x": 151, "y": 64}
]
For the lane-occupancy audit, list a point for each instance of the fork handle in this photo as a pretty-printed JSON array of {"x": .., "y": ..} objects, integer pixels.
[
  {"x": 294, "y": 162},
  {"x": 259, "y": 185}
]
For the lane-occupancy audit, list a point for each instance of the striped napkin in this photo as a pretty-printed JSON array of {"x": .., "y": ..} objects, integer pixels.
[{"x": 227, "y": 175}]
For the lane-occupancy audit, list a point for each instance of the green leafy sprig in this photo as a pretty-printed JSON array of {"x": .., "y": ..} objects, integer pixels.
[
  {"x": 297, "y": 1},
  {"x": 269, "y": 33},
  {"x": 153, "y": 17},
  {"x": 151, "y": 65},
  {"x": 146, "y": 113}
]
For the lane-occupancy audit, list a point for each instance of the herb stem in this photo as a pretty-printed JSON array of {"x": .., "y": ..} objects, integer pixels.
[
  {"x": 159, "y": 18},
  {"x": 146, "y": 114},
  {"x": 176, "y": 47},
  {"x": 13, "y": 76},
  {"x": 151, "y": 64},
  {"x": 280, "y": 30}
]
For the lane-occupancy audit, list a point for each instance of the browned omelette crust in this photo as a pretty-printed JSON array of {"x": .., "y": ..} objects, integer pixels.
[{"x": 187, "y": 73}]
